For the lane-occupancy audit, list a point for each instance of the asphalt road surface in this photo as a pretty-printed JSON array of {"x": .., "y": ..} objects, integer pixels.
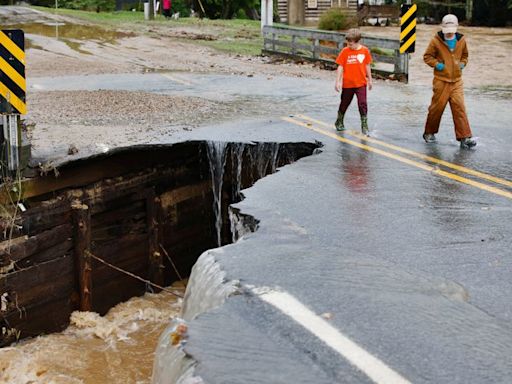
[{"x": 381, "y": 259}]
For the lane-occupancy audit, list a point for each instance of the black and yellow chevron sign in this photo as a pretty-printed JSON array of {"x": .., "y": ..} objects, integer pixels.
[
  {"x": 12, "y": 72},
  {"x": 407, "y": 27}
]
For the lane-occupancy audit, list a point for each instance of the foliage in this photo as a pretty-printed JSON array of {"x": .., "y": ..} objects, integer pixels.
[
  {"x": 181, "y": 6},
  {"x": 492, "y": 13},
  {"x": 225, "y": 9},
  {"x": 335, "y": 19},
  {"x": 84, "y": 5}
]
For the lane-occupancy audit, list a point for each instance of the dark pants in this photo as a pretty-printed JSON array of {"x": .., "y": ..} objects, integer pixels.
[{"x": 347, "y": 94}]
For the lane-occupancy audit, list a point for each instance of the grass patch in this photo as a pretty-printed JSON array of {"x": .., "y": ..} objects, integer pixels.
[
  {"x": 382, "y": 51},
  {"x": 249, "y": 48}
]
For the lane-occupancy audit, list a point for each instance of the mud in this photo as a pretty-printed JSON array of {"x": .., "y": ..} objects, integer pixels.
[{"x": 116, "y": 348}]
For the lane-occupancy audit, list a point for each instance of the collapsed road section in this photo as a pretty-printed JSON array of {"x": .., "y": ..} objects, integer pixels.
[{"x": 97, "y": 231}]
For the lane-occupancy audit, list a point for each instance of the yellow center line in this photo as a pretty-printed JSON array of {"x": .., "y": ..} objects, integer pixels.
[
  {"x": 177, "y": 80},
  {"x": 431, "y": 159},
  {"x": 402, "y": 159}
]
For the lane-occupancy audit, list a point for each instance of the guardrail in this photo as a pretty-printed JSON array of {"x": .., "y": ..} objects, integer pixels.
[{"x": 324, "y": 46}]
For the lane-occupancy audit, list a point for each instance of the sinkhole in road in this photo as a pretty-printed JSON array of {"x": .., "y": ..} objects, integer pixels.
[{"x": 113, "y": 226}]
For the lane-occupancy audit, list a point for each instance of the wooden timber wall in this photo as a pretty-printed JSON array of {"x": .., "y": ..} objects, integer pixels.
[{"x": 129, "y": 208}]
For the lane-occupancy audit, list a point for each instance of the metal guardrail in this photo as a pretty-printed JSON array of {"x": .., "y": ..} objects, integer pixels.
[{"x": 324, "y": 46}]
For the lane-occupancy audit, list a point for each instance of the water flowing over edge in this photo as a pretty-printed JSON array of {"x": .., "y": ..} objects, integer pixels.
[{"x": 207, "y": 289}]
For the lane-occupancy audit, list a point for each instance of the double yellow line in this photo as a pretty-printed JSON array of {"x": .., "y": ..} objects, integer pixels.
[{"x": 314, "y": 125}]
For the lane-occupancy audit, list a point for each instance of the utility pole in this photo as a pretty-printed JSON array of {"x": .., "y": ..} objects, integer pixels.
[
  {"x": 267, "y": 13},
  {"x": 469, "y": 11}
]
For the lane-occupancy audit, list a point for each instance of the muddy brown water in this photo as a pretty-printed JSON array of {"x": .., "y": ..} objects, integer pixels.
[{"x": 116, "y": 348}]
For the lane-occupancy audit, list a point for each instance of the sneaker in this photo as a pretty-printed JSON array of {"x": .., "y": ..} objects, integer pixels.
[
  {"x": 429, "y": 137},
  {"x": 467, "y": 143},
  {"x": 364, "y": 126}
]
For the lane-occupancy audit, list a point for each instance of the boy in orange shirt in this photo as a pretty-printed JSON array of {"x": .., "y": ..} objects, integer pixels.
[{"x": 353, "y": 74}]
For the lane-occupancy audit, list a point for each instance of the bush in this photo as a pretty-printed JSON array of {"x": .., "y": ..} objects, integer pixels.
[
  {"x": 181, "y": 6},
  {"x": 87, "y": 5},
  {"x": 335, "y": 19}
]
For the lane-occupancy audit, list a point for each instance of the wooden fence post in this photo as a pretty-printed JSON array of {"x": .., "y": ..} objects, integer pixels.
[
  {"x": 156, "y": 267},
  {"x": 82, "y": 240}
]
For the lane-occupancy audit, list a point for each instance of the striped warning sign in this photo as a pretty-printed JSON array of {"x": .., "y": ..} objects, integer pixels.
[
  {"x": 12, "y": 72},
  {"x": 407, "y": 28}
]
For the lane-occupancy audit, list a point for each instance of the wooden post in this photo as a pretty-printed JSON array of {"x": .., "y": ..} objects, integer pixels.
[
  {"x": 82, "y": 239},
  {"x": 156, "y": 267}
]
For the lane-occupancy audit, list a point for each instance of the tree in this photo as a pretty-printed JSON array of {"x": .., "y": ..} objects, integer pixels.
[{"x": 492, "y": 13}]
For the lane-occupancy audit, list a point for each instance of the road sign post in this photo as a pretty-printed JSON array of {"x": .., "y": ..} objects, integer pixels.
[
  {"x": 407, "y": 30},
  {"x": 12, "y": 94}
]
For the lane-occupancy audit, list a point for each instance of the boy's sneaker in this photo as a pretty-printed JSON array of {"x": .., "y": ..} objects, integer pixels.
[
  {"x": 429, "y": 137},
  {"x": 364, "y": 126},
  {"x": 467, "y": 143}
]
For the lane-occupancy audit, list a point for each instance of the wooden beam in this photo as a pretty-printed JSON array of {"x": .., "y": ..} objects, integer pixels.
[
  {"x": 22, "y": 247},
  {"x": 156, "y": 265},
  {"x": 82, "y": 237}
]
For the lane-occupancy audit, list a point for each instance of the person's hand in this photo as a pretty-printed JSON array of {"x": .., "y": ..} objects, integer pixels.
[
  {"x": 439, "y": 66},
  {"x": 337, "y": 86},
  {"x": 462, "y": 66},
  {"x": 370, "y": 85}
]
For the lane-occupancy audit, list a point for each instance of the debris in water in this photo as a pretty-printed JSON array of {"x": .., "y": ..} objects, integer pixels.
[
  {"x": 179, "y": 333},
  {"x": 72, "y": 150}
]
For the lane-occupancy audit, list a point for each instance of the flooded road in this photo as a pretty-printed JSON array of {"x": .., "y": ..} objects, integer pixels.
[{"x": 116, "y": 348}]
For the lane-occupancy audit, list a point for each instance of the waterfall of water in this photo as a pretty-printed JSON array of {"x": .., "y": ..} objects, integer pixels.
[
  {"x": 237, "y": 153},
  {"x": 171, "y": 364},
  {"x": 275, "y": 153},
  {"x": 207, "y": 289},
  {"x": 217, "y": 158}
]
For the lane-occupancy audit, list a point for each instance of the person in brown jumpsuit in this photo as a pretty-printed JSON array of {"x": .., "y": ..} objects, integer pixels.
[{"x": 447, "y": 53}]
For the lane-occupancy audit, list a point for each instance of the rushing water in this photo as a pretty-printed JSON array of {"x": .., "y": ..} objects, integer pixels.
[
  {"x": 116, "y": 348},
  {"x": 217, "y": 159}
]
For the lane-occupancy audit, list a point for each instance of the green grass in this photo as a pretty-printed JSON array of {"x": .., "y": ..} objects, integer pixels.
[
  {"x": 382, "y": 51},
  {"x": 249, "y": 48}
]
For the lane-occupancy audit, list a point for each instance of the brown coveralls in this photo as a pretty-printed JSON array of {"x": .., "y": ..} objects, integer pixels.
[{"x": 447, "y": 84}]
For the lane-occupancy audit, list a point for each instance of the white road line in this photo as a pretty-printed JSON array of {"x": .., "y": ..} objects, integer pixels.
[
  {"x": 371, "y": 366},
  {"x": 177, "y": 80}
]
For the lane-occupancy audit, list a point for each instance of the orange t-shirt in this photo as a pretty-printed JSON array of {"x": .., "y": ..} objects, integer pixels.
[{"x": 354, "y": 66}]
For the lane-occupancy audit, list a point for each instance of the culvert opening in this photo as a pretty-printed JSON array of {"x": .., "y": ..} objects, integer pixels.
[{"x": 150, "y": 211}]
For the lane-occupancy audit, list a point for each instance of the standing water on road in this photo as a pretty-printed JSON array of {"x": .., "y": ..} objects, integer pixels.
[{"x": 116, "y": 348}]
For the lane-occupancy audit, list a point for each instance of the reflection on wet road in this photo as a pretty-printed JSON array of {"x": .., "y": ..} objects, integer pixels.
[{"x": 314, "y": 124}]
